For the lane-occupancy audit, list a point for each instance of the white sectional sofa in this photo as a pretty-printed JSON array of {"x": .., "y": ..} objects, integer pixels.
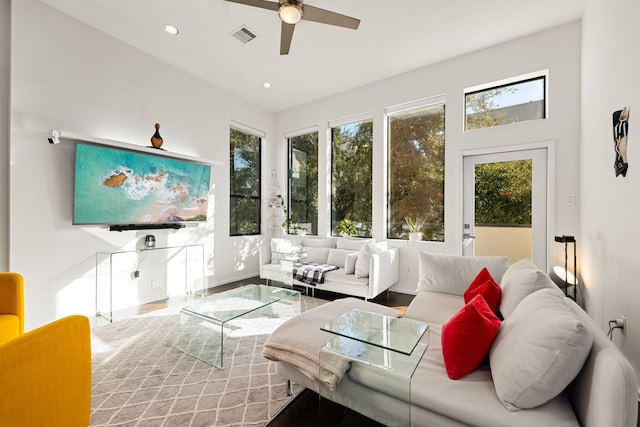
[
  {"x": 548, "y": 365},
  {"x": 366, "y": 268}
]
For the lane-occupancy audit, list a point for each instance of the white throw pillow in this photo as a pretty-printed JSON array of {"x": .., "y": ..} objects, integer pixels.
[
  {"x": 520, "y": 280},
  {"x": 352, "y": 243},
  {"x": 316, "y": 255},
  {"x": 538, "y": 351},
  {"x": 338, "y": 256},
  {"x": 364, "y": 257},
  {"x": 452, "y": 274},
  {"x": 350, "y": 263},
  {"x": 310, "y": 242}
]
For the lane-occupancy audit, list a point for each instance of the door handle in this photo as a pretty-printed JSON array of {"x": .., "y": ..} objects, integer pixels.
[{"x": 467, "y": 236}]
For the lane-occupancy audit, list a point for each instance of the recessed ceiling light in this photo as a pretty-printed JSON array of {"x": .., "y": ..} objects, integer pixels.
[
  {"x": 170, "y": 29},
  {"x": 266, "y": 85}
]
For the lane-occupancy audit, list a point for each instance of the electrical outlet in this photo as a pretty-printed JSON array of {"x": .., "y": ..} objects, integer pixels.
[
  {"x": 409, "y": 269},
  {"x": 621, "y": 322},
  {"x": 156, "y": 283}
]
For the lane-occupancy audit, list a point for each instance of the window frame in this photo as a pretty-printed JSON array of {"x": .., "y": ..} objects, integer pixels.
[
  {"x": 289, "y": 136},
  {"x": 359, "y": 118},
  {"x": 389, "y": 112},
  {"x": 511, "y": 81},
  {"x": 258, "y": 196}
]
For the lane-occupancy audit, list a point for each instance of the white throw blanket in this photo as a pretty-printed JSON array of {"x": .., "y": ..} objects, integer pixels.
[{"x": 298, "y": 341}]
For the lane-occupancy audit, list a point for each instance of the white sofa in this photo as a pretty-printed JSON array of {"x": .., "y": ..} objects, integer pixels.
[
  {"x": 366, "y": 268},
  {"x": 548, "y": 357}
]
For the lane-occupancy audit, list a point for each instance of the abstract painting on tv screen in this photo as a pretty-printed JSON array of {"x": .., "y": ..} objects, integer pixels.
[{"x": 114, "y": 186}]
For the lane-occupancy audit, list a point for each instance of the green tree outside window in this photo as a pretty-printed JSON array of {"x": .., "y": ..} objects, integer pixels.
[
  {"x": 244, "y": 183},
  {"x": 351, "y": 172}
]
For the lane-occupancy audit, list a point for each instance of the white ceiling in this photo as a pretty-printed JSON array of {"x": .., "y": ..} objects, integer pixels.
[{"x": 394, "y": 37}]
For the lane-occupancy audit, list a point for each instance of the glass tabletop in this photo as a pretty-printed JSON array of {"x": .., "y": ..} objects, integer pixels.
[
  {"x": 288, "y": 256},
  {"x": 389, "y": 362},
  {"x": 229, "y": 305},
  {"x": 398, "y": 334}
]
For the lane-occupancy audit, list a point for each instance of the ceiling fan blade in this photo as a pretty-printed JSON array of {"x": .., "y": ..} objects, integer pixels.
[
  {"x": 258, "y": 3},
  {"x": 323, "y": 16},
  {"x": 286, "y": 34}
]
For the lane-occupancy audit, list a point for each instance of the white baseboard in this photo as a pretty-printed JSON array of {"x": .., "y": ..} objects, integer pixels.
[
  {"x": 231, "y": 280},
  {"x": 403, "y": 291}
]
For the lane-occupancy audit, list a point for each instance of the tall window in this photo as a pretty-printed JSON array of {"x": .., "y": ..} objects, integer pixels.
[
  {"x": 351, "y": 176},
  {"x": 416, "y": 171},
  {"x": 501, "y": 104},
  {"x": 303, "y": 182},
  {"x": 244, "y": 179}
]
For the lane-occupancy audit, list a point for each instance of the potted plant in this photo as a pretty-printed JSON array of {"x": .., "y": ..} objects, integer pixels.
[
  {"x": 286, "y": 224},
  {"x": 415, "y": 228},
  {"x": 346, "y": 228},
  {"x": 289, "y": 226},
  {"x": 299, "y": 229}
]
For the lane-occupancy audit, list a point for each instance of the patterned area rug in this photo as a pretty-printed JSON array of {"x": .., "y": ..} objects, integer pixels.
[{"x": 141, "y": 378}]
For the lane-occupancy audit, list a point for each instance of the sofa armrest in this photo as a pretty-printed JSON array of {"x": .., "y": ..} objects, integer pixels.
[
  {"x": 12, "y": 296},
  {"x": 46, "y": 376},
  {"x": 264, "y": 255},
  {"x": 383, "y": 271}
]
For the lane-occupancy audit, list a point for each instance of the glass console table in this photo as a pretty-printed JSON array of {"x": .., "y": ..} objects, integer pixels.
[
  {"x": 130, "y": 277},
  {"x": 383, "y": 352}
]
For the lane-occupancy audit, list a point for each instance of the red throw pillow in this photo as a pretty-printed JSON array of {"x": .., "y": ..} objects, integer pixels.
[
  {"x": 467, "y": 337},
  {"x": 484, "y": 285}
]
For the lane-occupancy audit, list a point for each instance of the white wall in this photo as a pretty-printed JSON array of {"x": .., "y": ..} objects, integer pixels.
[
  {"x": 77, "y": 79},
  {"x": 557, "y": 50},
  {"x": 66, "y": 75},
  {"x": 609, "y": 206},
  {"x": 5, "y": 64}
]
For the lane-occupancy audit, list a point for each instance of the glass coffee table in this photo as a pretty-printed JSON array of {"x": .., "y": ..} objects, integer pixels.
[
  {"x": 206, "y": 325},
  {"x": 383, "y": 352}
]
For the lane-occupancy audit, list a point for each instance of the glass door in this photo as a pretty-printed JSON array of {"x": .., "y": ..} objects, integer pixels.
[{"x": 505, "y": 205}]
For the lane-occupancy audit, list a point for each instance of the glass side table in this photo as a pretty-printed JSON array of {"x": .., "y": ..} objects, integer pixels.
[
  {"x": 206, "y": 325},
  {"x": 383, "y": 352},
  {"x": 286, "y": 261}
]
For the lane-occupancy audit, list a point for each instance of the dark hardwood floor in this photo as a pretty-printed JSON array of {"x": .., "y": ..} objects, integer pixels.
[
  {"x": 390, "y": 299},
  {"x": 307, "y": 409},
  {"x": 164, "y": 303}
]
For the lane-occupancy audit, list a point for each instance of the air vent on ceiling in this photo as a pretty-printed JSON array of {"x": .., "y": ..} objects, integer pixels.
[{"x": 244, "y": 34}]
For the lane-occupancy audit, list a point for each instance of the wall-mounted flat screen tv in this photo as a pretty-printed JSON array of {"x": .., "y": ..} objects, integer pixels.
[{"x": 117, "y": 186}]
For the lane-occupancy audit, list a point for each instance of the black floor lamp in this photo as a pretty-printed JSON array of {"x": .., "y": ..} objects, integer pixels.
[{"x": 562, "y": 276}]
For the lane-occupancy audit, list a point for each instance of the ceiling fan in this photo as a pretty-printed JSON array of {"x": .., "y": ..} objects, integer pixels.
[{"x": 293, "y": 11}]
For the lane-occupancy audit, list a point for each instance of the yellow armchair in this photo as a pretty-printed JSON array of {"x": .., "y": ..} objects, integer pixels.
[
  {"x": 11, "y": 306},
  {"x": 45, "y": 374}
]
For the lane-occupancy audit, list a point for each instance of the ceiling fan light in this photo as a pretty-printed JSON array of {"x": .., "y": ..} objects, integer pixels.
[{"x": 290, "y": 12}]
